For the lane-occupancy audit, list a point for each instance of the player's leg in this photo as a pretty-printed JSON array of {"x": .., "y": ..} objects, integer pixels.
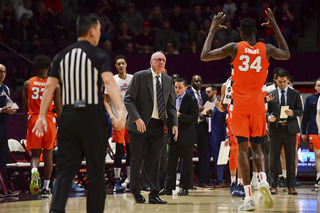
[{"x": 118, "y": 138}]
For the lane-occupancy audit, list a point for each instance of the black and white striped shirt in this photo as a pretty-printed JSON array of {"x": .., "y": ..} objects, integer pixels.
[{"x": 79, "y": 68}]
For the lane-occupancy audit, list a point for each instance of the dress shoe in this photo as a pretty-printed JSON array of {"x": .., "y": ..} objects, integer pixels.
[
  {"x": 139, "y": 198},
  {"x": 183, "y": 192},
  {"x": 203, "y": 185},
  {"x": 221, "y": 185},
  {"x": 292, "y": 191},
  {"x": 165, "y": 192},
  {"x": 274, "y": 190},
  {"x": 156, "y": 200}
]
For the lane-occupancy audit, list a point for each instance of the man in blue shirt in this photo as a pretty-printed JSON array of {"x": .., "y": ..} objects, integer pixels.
[{"x": 309, "y": 127}]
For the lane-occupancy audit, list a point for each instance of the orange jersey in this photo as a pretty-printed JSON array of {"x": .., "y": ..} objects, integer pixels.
[
  {"x": 249, "y": 74},
  {"x": 34, "y": 93}
]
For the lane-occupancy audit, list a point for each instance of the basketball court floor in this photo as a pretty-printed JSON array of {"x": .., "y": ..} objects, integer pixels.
[{"x": 199, "y": 200}]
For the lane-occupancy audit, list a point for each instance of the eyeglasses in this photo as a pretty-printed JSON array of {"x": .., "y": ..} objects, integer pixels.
[
  {"x": 159, "y": 59},
  {"x": 3, "y": 72}
]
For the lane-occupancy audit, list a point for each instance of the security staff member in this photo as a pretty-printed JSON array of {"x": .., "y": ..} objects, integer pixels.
[{"x": 83, "y": 129}]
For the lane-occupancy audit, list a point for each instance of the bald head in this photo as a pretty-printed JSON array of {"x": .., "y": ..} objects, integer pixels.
[
  {"x": 196, "y": 82},
  {"x": 158, "y": 62}
]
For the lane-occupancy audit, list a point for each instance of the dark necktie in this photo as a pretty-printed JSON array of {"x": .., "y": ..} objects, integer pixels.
[
  {"x": 160, "y": 101},
  {"x": 200, "y": 103},
  {"x": 283, "y": 100},
  {"x": 178, "y": 103}
]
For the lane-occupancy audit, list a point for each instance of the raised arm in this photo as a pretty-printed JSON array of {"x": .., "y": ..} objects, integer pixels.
[
  {"x": 281, "y": 53},
  {"x": 207, "y": 54}
]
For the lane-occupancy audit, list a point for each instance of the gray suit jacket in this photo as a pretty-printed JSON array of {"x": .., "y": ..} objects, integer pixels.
[
  {"x": 294, "y": 103},
  {"x": 139, "y": 99}
]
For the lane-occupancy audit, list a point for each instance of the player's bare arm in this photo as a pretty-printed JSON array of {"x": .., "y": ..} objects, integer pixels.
[
  {"x": 207, "y": 54},
  {"x": 281, "y": 53},
  {"x": 57, "y": 101},
  {"x": 41, "y": 125},
  {"x": 25, "y": 100}
]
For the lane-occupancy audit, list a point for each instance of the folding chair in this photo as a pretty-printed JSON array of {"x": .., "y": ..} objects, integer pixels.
[{"x": 20, "y": 162}]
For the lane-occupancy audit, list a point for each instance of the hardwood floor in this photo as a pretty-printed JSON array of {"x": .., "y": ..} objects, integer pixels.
[{"x": 199, "y": 200}]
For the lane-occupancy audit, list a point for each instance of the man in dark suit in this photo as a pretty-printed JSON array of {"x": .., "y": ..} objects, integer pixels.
[
  {"x": 283, "y": 131},
  {"x": 150, "y": 104},
  {"x": 187, "y": 112},
  {"x": 202, "y": 131}
]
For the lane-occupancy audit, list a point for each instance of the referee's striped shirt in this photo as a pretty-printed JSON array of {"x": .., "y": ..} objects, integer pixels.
[{"x": 78, "y": 68}]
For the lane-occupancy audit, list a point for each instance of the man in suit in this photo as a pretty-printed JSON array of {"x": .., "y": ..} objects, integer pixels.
[
  {"x": 150, "y": 104},
  {"x": 283, "y": 131},
  {"x": 202, "y": 131},
  {"x": 187, "y": 113},
  {"x": 5, "y": 111}
]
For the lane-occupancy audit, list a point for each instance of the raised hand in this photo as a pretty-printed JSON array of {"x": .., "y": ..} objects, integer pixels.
[
  {"x": 216, "y": 22},
  {"x": 272, "y": 23}
]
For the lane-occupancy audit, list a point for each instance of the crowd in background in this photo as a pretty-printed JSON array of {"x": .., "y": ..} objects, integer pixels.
[{"x": 132, "y": 27}]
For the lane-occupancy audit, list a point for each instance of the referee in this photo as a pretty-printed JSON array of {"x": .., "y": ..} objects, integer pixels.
[{"x": 83, "y": 130}]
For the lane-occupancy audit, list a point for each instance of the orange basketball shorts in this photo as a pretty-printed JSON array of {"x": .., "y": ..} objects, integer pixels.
[
  {"x": 120, "y": 136},
  {"x": 46, "y": 141}
]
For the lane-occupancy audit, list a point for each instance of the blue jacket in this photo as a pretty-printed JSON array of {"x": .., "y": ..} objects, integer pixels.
[
  {"x": 218, "y": 125},
  {"x": 309, "y": 115}
]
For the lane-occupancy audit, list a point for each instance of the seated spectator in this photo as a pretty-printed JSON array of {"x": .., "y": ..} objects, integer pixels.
[
  {"x": 45, "y": 23},
  {"x": 24, "y": 36},
  {"x": 207, "y": 11},
  {"x": 178, "y": 23},
  {"x": 145, "y": 38},
  {"x": 122, "y": 36},
  {"x": 133, "y": 18},
  {"x": 228, "y": 35},
  {"x": 243, "y": 12},
  {"x": 165, "y": 36},
  {"x": 195, "y": 21},
  {"x": 155, "y": 19},
  {"x": 25, "y": 8},
  {"x": 229, "y": 8},
  {"x": 4, "y": 33},
  {"x": 55, "y": 9},
  {"x": 288, "y": 17},
  {"x": 120, "y": 6},
  {"x": 203, "y": 33},
  {"x": 146, "y": 50},
  {"x": 107, "y": 27},
  {"x": 170, "y": 50},
  {"x": 217, "y": 8},
  {"x": 216, "y": 43},
  {"x": 107, "y": 46},
  {"x": 129, "y": 49},
  {"x": 9, "y": 15}
]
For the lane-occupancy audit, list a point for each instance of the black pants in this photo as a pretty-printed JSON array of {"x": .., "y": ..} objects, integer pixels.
[
  {"x": 82, "y": 133},
  {"x": 176, "y": 151},
  {"x": 4, "y": 152},
  {"x": 119, "y": 153},
  {"x": 283, "y": 137},
  {"x": 146, "y": 146},
  {"x": 203, "y": 148}
]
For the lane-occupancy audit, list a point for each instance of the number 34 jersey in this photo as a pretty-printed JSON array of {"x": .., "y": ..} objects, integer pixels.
[
  {"x": 35, "y": 92},
  {"x": 249, "y": 74}
]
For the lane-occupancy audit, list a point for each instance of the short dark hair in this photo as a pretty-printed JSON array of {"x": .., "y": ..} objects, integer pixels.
[
  {"x": 283, "y": 73},
  {"x": 41, "y": 62},
  {"x": 290, "y": 78},
  {"x": 213, "y": 87},
  {"x": 248, "y": 26},
  {"x": 120, "y": 57},
  {"x": 181, "y": 80},
  {"x": 276, "y": 70},
  {"x": 84, "y": 23}
]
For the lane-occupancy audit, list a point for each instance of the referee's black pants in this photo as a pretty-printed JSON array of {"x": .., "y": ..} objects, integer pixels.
[{"x": 81, "y": 133}]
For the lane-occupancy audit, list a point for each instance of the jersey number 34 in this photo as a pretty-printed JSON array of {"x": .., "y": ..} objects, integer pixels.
[{"x": 247, "y": 64}]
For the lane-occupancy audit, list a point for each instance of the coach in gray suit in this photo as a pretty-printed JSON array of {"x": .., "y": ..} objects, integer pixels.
[
  {"x": 283, "y": 131},
  {"x": 150, "y": 104}
]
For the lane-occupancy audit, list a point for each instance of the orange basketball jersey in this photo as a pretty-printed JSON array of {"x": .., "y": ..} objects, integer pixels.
[
  {"x": 35, "y": 92},
  {"x": 249, "y": 74}
]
